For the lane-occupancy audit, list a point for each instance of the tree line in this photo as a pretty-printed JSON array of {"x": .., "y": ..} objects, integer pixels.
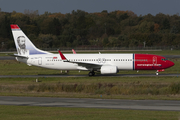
[{"x": 83, "y": 29}]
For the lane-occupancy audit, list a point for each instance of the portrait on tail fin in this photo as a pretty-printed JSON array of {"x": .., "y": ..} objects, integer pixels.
[{"x": 22, "y": 46}]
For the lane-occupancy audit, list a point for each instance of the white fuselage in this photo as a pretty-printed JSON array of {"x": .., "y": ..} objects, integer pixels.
[{"x": 54, "y": 61}]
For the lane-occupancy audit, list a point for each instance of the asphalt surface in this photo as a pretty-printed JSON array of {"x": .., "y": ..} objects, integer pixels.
[{"x": 164, "y": 105}]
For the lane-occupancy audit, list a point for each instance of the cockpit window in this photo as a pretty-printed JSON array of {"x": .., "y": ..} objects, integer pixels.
[{"x": 164, "y": 59}]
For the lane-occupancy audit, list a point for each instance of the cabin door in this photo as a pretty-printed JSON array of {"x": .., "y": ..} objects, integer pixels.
[
  {"x": 154, "y": 60},
  {"x": 40, "y": 61}
]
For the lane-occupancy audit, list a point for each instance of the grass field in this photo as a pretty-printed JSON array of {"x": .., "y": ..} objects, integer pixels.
[
  {"x": 58, "y": 113},
  {"x": 163, "y": 88}
]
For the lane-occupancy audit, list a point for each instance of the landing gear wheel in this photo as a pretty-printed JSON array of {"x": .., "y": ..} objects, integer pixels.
[
  {"x": 157, "y": 73},
  {"x": 91, "y": 73}
]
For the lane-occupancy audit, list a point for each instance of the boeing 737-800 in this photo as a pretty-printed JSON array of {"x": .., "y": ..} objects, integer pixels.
[{"x": 104, "y": 63}]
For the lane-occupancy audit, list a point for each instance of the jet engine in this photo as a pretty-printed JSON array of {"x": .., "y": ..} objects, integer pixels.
[{"x": 109, "y": 70}]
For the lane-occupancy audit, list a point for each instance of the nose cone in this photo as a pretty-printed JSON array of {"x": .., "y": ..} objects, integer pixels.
[{"x": 170, "y": 63}]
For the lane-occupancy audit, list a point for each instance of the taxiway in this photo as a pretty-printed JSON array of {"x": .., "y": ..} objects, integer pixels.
[{"x": 164, "y": 105}]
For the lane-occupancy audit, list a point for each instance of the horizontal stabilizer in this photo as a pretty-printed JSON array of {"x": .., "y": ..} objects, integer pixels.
[{"x": 16, "y": 55}]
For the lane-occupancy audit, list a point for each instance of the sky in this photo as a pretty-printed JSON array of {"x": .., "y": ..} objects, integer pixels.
[{"x": 139, "y": 7}]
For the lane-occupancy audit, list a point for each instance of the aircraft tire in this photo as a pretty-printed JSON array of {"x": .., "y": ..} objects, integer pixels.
[{"x": 91, "y": 73}]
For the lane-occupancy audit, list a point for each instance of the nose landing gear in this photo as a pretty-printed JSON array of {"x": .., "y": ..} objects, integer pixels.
[{"x": 157, "y": 73}]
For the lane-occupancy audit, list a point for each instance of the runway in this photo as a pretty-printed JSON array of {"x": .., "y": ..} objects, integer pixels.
[
  {"x": 99, "y": 75},
  {"x": 164, "y": 105}
]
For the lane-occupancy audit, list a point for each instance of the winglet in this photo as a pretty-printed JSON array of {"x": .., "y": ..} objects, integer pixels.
[
  {"x": 62, "y": 56},
  {"x": 74, "y": 52}
]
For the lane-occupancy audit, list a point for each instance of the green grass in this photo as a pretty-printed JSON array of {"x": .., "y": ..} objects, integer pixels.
[
  {"x": 164, "y": 88},
  {"x": 59, "y": 113}
]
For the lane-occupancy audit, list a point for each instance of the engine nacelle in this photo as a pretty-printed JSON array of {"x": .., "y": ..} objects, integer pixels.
[{"x": 109, "y": 70}]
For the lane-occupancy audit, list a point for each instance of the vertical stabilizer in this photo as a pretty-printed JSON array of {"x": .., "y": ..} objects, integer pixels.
[{"x": 23, "y": 45}]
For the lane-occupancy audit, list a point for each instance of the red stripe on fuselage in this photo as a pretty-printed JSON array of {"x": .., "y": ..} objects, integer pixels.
[{"x": 147, "y": 62}]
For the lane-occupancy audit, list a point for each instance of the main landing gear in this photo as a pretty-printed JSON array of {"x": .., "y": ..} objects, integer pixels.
[{"x": 91, "y": 73}]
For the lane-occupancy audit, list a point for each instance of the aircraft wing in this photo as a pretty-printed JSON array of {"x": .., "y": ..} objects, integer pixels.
[{"x": 83, "y": 64}]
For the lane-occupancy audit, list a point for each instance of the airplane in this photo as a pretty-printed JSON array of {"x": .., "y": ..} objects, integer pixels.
[{"x": 28, "y": 53}]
